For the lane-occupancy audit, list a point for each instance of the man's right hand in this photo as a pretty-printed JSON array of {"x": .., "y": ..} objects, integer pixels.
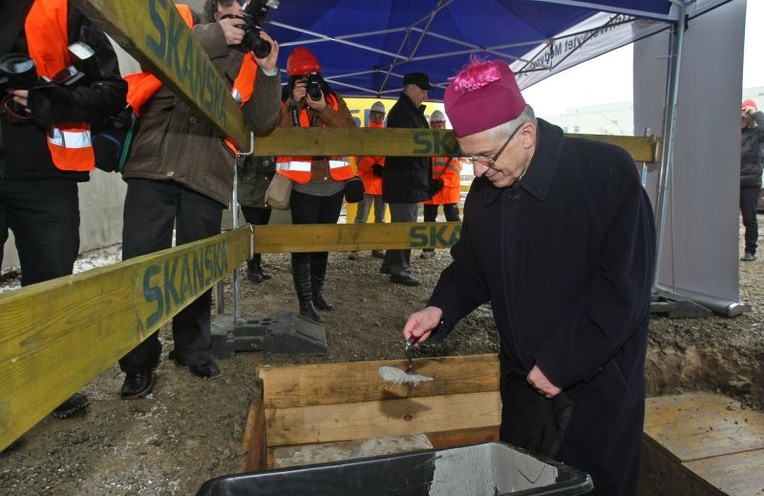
[
  {"x": 234, "y": 35},
  {"x": 420, "y": 324}
]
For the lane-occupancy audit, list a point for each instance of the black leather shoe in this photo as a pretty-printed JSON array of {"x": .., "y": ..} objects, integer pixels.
[
  {"x": 137, "y": 385},
  {"x": 206, "y": 370},
  {"x": 385, "y": 270},
  {"x": 77, "y": 403},
  {"x": 255, "y": 276},
  {"x": 403, "y": 279}
]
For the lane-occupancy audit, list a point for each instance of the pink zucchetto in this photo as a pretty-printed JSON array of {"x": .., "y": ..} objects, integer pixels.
[{"x": 483, "y": 95}]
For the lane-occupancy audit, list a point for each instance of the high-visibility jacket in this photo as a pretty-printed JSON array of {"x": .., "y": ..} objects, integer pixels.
[
  {"x": 372, "y": 184},
  {"x": 141, "y": 86},
  {"x": 298, "y": 168},
  {"x": 70, "y": 143},
  {"x": 448, "y": 170}
]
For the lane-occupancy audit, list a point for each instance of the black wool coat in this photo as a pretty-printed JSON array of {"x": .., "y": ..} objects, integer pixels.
[
  {"x": 566, "y": 257},
  {"x": 406, "y": 179}
]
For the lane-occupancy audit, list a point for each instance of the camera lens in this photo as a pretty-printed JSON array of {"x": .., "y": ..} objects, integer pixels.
[
  {"x": 260, "y": 47},
  {"x": 19, "y": 69}
]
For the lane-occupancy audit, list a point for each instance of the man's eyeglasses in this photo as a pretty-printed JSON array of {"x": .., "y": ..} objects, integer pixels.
[
  {"x": 376, "y": 116},
  {"x": 491, "y": 161}
]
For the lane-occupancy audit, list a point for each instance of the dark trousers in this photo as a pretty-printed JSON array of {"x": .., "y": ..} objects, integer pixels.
[
  {"x": 398, "y": 260},
  {"x": 256, "y": 216},
  {"x": 450, "y": 211},
  {"x": 309, "y": 209},
  {"x": 152, "y": 209},
  {"x": 45, "y": 219},
  {"x": 749, "y": 201}
]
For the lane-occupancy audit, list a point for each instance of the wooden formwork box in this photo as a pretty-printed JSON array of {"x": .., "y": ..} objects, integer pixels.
[{"x": 326, "y": 407}]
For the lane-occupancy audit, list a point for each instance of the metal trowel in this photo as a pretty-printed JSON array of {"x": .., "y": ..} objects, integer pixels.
[{"x": 398, "y": 376}]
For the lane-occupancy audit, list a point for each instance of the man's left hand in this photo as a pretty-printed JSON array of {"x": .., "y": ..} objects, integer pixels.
[
  {"x": 540, "y": 383},
  {"x": 268, "y": 63}
]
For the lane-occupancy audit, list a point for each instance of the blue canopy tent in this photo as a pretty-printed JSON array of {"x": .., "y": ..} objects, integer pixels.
[{"x": 365, "y": 48}]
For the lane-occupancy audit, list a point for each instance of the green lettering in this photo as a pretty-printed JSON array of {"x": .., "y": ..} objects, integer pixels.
[
  {"x": 424, "y": 139},
  {"x": 158, "y": 47},
  {"x": 152, "y": 293},
  {"x": 186, "y": 291},
  {"x": 173, "y": 39},
  {"x": 418, "y": 235},
  {"x": 169, "y": 285},
  {"x": 198, "y": 271}
]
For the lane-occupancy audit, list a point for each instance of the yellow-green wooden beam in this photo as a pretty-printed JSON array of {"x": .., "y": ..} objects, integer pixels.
[
  {"x": 154, "y": 33},
  {"x": 57, "y": 336},
  {"x": 406, "y": 142},
  {"x": 348, "y": 237}
]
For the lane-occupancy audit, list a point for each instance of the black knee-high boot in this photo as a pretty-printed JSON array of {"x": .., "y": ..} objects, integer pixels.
[
  {"x": 317, "y": 274},
  {"x": 301, "y": 278}
]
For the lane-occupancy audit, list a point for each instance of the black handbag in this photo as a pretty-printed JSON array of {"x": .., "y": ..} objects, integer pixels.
[
  {"x": 112, "y": 140},
  {"x": 354, "y": 190}
]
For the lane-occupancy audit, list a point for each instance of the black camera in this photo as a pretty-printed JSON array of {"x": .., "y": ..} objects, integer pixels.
[
  {"x": 313, "y": 86},
  {"x": 253, "y": 15},
  {"x": 17, "y": 72}
]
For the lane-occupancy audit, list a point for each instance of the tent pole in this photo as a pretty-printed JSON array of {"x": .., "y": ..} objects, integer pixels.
[{"x": 669, "y": 126}]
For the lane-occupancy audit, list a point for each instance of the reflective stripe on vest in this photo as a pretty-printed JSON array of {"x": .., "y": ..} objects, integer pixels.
[
  {"x": 298, "y": 168},
  {"x": 45, "y": 28}
]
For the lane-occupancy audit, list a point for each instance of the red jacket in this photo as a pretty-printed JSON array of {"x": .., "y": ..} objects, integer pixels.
[{"x": 372, "y": 184}]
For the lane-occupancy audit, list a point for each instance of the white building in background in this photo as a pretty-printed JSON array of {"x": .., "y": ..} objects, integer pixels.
[{"x": 607, "y": 118}]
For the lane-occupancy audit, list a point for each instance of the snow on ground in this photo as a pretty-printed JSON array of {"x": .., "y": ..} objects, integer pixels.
[{"x": 86, "y": 261}]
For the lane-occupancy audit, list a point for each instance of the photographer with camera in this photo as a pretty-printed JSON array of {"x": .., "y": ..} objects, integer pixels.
[
  {"x": 45, "y": 138},
  {"x": 318, "y": 182},
  {"x": 180, "y": 174}
]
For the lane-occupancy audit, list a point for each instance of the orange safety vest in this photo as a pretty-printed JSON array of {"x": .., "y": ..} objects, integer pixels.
[
  {"x": 298, "y": 168},
  {"x": 141, "y": 86},
  {"x": 372, "y": 184},
  {"x": 448, "y": 170},
  {"x": 70, "y": 143}
]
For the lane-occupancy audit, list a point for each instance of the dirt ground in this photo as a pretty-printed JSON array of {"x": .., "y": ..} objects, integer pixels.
[{"x": 190, "y": 430}]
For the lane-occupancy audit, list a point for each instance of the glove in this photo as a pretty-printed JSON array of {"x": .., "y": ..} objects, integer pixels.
[
  {"x": 435, "y": 186},
  {"x": 377, "y": 169},
  {"x": 269, "y": 165},
  {"x": 50, "y": 103}
]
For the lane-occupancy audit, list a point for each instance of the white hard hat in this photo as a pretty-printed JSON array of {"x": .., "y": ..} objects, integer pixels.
[
  {"x": 378, "y": 107},
  {"x": 438, "y": 116}
]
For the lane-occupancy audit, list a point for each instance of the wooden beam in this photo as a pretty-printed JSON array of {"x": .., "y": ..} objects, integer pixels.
[
  {"x": 406, "y": 142},
  {"x": 58, "y": 335},
  {"x": 350, "y": 421},
  {"x": 347, "y": 237},
  {"x": 154, "y": 33},
  {"x": 353, "y": 382}
]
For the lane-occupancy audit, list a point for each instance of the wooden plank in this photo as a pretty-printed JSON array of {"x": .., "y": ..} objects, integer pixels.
[
  {"x": 58, "y": 335},
  {"x": 701, "y": 425},
  {"x": 354, "y": 382},
  {"x": 738, "y": 474},
  {"x": 308, "y": 454},
  {"x": 406, "y": 142},
  {"x": 254, "y": 442},
  {"x": 392, "y": 417},
  {"x": 463, "y": 437},
  {"x": 155, "y": 34},
  {"x": 348, "y": 237}
]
